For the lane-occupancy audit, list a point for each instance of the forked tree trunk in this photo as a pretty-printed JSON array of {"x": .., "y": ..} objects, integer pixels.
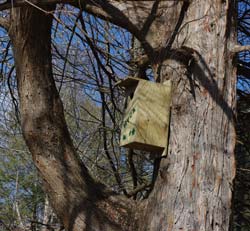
[
  {"x": 193, "y": 190},
  {"x": 79, "y": 202}
]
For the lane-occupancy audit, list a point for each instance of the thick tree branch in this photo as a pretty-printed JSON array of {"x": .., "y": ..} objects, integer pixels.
[
  {"x": 18, "y": 3},
  {"x": 130, "y": 15},
  {"x": 238, "y": 49},
  {"x": 77, "y": 199},
  {"x": 8, "y": 4}
]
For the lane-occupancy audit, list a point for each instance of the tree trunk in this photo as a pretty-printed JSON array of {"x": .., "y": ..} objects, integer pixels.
[
  {"x": 194, "y": 186},
  {"x": 80, "y": 203}
]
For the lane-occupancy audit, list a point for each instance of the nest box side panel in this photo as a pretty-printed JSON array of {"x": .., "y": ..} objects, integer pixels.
[{"x": 128, "y": 131}]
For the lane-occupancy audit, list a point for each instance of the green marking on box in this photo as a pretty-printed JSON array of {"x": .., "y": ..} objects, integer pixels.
[{"x": 132, "y": 132}]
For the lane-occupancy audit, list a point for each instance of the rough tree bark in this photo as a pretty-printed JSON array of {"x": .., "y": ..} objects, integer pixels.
[
  {"x": 194, "y": 187},
  {"x": 187, "y": 42},
  {"x": 80, "y": 203}
]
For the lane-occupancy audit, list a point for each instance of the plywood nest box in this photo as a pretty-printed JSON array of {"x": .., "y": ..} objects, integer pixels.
[{"x": 146, "y": 118}]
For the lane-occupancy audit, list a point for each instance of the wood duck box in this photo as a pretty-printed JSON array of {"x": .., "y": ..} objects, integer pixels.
[{"x": 146, "y": 118}]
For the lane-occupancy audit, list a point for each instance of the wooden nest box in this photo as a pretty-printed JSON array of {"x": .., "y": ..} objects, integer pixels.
[{"x": 146, "y": 119}]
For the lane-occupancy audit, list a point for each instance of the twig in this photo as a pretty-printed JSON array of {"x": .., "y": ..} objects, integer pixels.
[{"x": 244, "y": 169}]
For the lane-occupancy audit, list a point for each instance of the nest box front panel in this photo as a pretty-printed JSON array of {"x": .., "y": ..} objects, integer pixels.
[{"x": 146, "y": 119}]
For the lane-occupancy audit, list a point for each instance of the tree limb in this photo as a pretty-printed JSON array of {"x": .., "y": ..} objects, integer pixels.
[
  {"x": 238, "y": 49},
  {"x": 130, "y": 15},
  {"x": 72, "y": 191},
  {"x": 8, "y": 4}
]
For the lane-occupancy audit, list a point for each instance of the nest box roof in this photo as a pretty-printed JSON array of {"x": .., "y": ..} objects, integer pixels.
[{"x": 128, "y": 82}]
